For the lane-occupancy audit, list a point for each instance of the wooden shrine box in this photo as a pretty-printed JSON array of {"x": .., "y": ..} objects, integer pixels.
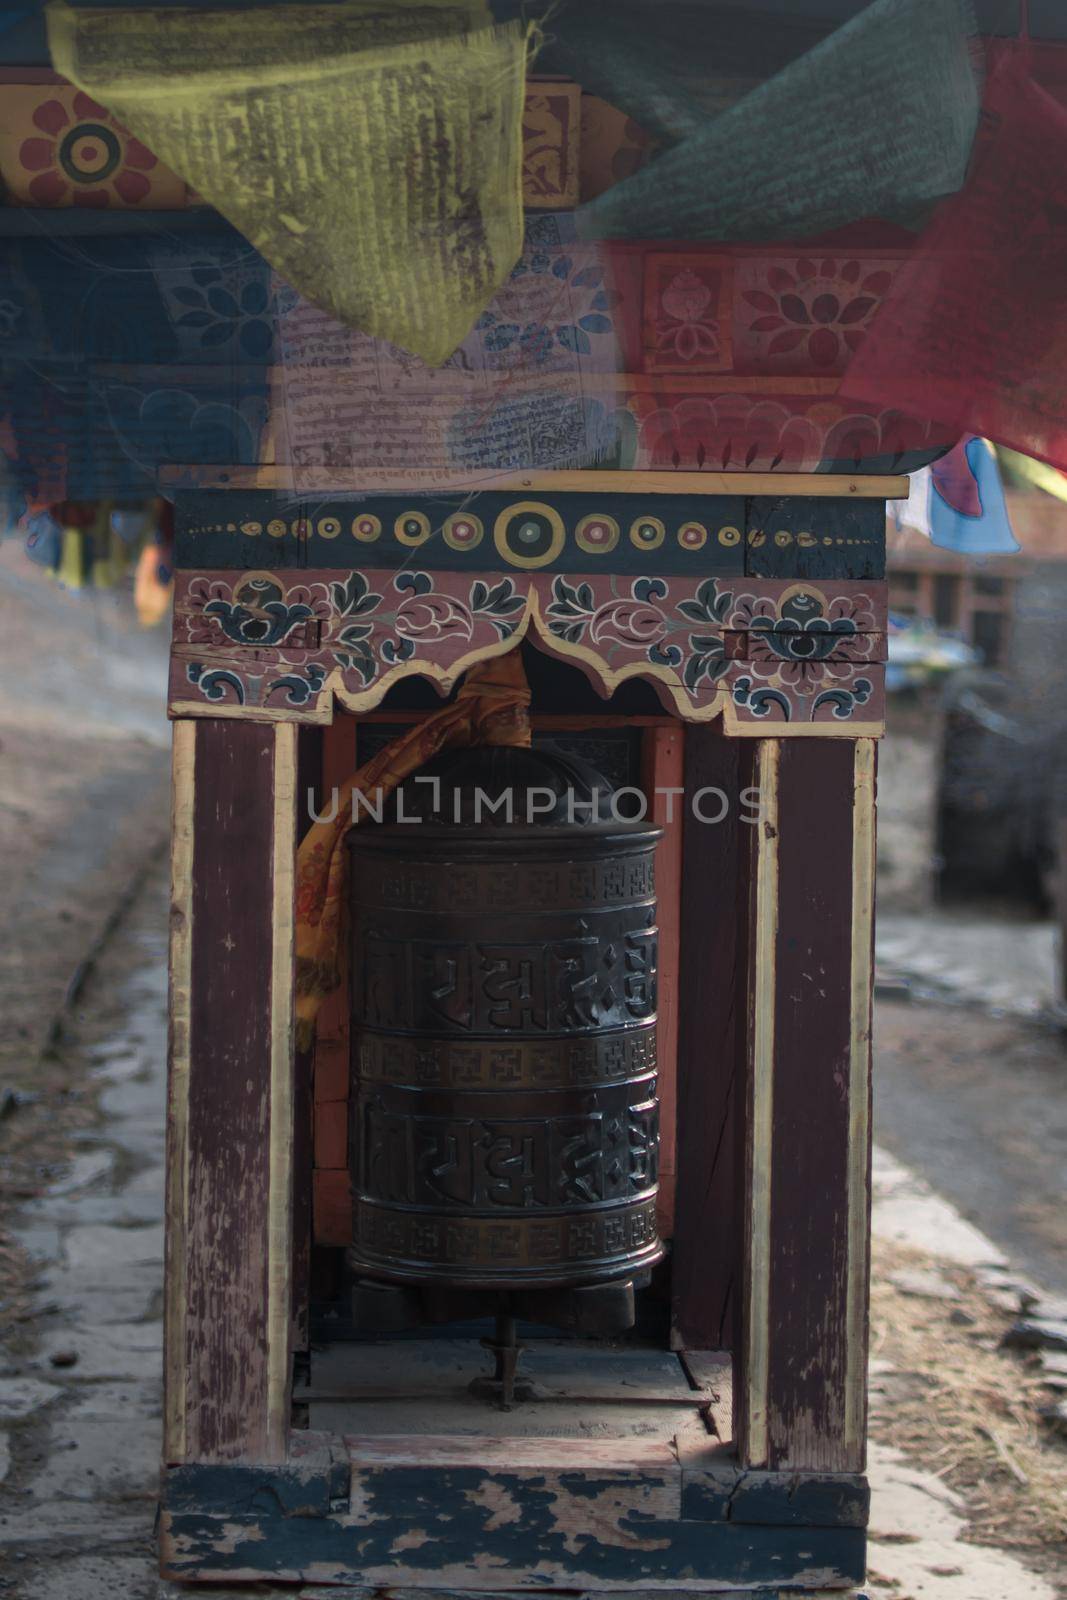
[{"x": 731, "y": 629}]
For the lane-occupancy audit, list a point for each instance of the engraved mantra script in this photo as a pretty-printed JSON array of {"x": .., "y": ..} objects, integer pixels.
[
  {"x": 597, "y": 979},
  {"x": 519, "y": 1163}
]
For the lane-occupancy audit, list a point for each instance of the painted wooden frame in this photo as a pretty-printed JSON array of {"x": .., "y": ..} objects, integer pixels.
[
  {"x": 770, "y": 1250},
  {"x": 762, "y": 608}
]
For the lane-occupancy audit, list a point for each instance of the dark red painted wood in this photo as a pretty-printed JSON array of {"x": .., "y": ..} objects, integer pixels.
[
  {"x": 229, "y": 1091},
  {"x": 809, "y": 1183},
  {"x": 308, "y": 785},
  {"x": 711, "y": 1041}
]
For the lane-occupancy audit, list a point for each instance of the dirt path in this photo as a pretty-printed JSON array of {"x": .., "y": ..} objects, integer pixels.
[{"x": 84, "y": 811}]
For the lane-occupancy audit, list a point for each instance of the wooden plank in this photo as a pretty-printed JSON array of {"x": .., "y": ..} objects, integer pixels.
[
  {"x": 808, "y": 1179},
  {"x": 556, "y": 1367},
  {"x": 775, "y": 1499},
  {"x": 280, "y": 1238},
  {"x": 309, "y": 795},
  {"x": 857, "y": 1289},
  {"x": 490, "y": 1514},
  {"x": 662, "y": 761},
  {"x": 173, "y": 1591},
  {"x": 331, "y": 1133},
  {"x": 331, "y": 1207},
  {"x": 712, "y": 1373},
  {"x": 230, "y": 1061},
  {"x": 183, "y": 789},
  {"x": 821, "y": 485},
  {"x": 582, "y": 1420},
  {"x": 503, "y": 1455},
  {"x": 761, "y": 925},
  {"x": 331, "y": 1060},
  {"x": 705, "y": 1262}
]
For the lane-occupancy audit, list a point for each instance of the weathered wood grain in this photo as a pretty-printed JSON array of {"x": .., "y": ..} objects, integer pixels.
[
  {"x": 850, "y": 486},
  {"x": 761, "y": 932},
  {"x": 183, "y": 788},
  {"x": 225, "y": 1243},
  {"x": 809, "y": 1178},
  {"x": 662, "y": 761},
  {"x": 711, "y": 1036},
  {"x": 485, "y": 1514},
  {"x": 857, "y": 1288}
]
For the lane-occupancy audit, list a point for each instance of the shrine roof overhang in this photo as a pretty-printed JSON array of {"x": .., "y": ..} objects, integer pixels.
[{"x": 755, "y": 598}]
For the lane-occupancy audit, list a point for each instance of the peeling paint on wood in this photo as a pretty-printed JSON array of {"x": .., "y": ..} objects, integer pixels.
[
  {"x": 809, "y": 1178},
  {"x": 485, "y": 1514},
  {"x": 226, "y": 1243}
]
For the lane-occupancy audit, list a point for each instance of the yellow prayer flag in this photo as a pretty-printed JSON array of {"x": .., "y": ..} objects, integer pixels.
[{"x": 372, "y": 153}]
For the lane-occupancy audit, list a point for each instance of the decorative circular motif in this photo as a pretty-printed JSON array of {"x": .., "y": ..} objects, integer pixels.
[
  {"x": 806, "y": 540},
  {"x": 366, "y": 528},
  {"x": 692, "y": 536},
  {"x": 277, "y": 528},
  {"x": 729, "y": 536},
  {"x": 412, "y": 527},
  {"x": 251, "y": 528},
  {"x": 463, "y": 531},
  {"x": 596, "y": 534},
  {"x": 783, "y": 538},
  {"x": 647, "y": 533},
  {"x": 89, "y": 153},
  {"x": 529, "y": 534},
  {"x": 328, "y": 527}
]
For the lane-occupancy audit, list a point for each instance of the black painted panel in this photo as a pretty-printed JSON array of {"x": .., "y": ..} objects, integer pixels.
[
  {"x": 807, "y": 538},
  {"x": 568, "y": 532}
]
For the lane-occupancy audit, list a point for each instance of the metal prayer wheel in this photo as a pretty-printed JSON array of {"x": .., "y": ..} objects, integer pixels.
[{"x": 505, "y": 1127}]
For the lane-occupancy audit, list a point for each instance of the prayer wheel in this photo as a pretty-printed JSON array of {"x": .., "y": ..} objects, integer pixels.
[{"x": 505, "y": 1127}]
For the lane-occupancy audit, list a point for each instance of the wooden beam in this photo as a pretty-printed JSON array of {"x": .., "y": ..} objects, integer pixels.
[
  {"x": 711, "y": 1039},
  {"x": 230, "y": 1242},
  {"x": 751, "y": 1391},
  {"x": 662, "y": 757},
  {"x": 802, "y": 1388},
  {"x": 183, "y": 790},
  {"x": 819, "y": 485}
]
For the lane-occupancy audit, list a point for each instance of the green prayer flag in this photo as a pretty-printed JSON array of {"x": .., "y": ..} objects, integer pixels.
[{"x": 878, "y": 118}]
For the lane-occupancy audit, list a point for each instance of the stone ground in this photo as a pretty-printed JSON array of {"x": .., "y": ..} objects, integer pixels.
[{"x": 1007, "y": 964}]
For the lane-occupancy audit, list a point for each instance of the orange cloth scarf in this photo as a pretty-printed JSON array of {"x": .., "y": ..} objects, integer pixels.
[{"x": 492, "y": 707}]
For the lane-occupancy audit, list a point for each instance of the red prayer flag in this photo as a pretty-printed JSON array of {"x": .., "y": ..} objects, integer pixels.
[{"x": 974, "y": 332}]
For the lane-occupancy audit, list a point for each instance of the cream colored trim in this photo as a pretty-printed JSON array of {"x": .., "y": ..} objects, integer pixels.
[
  {"x": 322, "y": 715},
  {"x": 333, "y": 480},
  {"x": 280, "y": 1197},
  {"x": 183, "y": 791},
  {"x": 758, "y": 1232},
  {"x": 734, "y": 728},
  {"x": 863, "y": 869}
]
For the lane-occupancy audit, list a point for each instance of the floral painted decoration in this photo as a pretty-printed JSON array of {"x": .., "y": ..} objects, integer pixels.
[
  {"x": 59, "y": 147},
  {"x": 688, "y": 308},
  {"x": 815, "y": 311}
]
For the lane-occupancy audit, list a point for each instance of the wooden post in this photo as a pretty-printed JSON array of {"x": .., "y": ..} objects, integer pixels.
[
  {"x": 801, "y": 1398},
  {"x": 229, "y": 1200},
  {"x": 662, "y": 757},
  {"x": 711, "y": 1037}
]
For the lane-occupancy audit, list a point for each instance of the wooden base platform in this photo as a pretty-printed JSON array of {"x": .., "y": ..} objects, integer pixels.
[{"x": 613, "y": 1475}]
